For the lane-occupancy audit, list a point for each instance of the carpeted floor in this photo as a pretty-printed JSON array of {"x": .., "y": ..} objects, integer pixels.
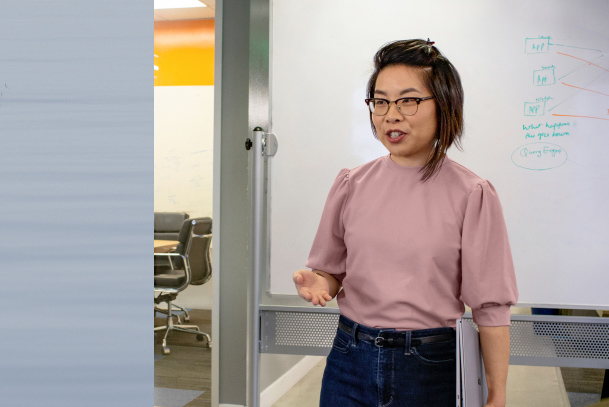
[
  {"x": 183, "y": 378},
  {"x": 583, "y": 385}
]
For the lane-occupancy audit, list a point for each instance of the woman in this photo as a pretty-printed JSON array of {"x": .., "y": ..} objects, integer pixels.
[{"x": 410, "y": 237}]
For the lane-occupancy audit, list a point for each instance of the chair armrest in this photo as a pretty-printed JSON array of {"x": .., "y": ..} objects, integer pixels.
[{"x": 173, "y": 254}]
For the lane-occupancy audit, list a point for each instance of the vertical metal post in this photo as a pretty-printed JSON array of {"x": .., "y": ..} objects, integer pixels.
[
  {"x": 259, "y": 118},
  {"x": 262, "y": 145},
  {"x": 253, "y": 317},
  {"x": 231, "y": 207}
]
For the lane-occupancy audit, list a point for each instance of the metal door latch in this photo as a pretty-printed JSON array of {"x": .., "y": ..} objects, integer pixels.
[{"x": 269, "y": 142}]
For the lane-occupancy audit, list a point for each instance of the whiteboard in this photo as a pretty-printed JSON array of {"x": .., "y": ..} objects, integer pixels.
[{"x": 522, "y": 64}]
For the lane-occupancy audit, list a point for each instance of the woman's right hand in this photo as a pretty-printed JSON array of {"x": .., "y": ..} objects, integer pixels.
[{"x": 312, "y": 287}]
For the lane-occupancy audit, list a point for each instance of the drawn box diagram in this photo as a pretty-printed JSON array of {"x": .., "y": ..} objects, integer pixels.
[
  {"x": 534, "y": 108},
  {"x": 543, "y": 77},
  {"x": 537, "y": 45}
]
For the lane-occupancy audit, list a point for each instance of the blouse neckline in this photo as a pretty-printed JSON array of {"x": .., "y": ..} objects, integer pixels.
[
  {"x": 397, "y": 167},
  {"x": 400, "y": 168}
]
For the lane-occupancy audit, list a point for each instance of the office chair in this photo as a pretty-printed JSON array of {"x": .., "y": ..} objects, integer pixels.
[
  {"x": 167, "y": 226},
  {"x": 191, "y": 265}
]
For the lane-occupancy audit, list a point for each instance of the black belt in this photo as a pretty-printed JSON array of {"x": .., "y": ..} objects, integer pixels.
[{"x": 394, "y": 342}]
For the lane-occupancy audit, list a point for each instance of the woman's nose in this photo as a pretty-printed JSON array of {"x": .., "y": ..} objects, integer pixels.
[{"x": 394, "y": 114}]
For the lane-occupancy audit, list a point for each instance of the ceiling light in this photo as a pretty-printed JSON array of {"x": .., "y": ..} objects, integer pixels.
[{"x": 163, "y": 4}]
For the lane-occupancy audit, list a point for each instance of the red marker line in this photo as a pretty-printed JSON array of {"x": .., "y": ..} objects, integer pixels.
[
  {"x": 589, "y": 90},
  {"x": 591, "y": 63},
  {"x": 572, "y": 115}
]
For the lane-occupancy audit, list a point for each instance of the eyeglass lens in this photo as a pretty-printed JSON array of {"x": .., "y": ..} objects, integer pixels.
[{"x": 380, "y": 107}]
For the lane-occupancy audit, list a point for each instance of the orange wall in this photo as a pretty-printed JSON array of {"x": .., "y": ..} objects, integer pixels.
[{"x": 184, "y": 52}]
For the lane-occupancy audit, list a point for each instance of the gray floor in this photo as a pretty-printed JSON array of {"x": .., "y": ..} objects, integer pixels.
[
  {"x": 174, "y": 397},
  {"x": 583, "y": 399}
]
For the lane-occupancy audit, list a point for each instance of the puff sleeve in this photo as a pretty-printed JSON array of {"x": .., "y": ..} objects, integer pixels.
[
  {"x": 488, "y": 282},
  {"x": 328, "y": 252}
]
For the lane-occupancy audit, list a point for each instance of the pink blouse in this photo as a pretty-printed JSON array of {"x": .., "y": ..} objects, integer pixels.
[{"x": 410, "y": 254}]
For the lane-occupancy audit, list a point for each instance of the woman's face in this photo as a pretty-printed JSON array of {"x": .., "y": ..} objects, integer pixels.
[{"x": 415, "y": 134}]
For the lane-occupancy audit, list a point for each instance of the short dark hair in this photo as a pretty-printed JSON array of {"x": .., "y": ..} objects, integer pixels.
[{"x": 444, "y": 83}]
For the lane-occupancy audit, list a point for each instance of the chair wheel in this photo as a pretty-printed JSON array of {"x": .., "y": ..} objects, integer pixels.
[
  {"x": 199, "y": 338},
  {"x": 165, "y": 351},
  {"x": 187, "y": 319}
]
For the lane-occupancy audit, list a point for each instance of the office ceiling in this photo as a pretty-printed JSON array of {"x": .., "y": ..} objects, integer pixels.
[{"x": 187, "y": 13}]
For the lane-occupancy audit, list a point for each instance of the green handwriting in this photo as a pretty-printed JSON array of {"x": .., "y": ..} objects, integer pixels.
[
  {"x": 559, "y": 125},
  {"x": 542, "y": 134},
  {"x": 525, "y": 152}
]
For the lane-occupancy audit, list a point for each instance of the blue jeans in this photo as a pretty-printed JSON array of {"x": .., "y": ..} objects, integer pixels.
[{"x": 359, "y": 373}]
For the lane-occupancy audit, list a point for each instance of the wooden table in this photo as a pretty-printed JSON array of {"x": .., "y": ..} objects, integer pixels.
[{"x": 163, "y": 246}]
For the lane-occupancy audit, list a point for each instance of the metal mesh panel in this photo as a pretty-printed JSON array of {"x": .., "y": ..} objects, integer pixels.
[
  {"x": 551, "y": 339},
  {"x": 300, "y": 329},
  {"x": 297, "y": 333},
  {"x": 554, "y": 343},
  {"x": 534, "y": 341},
  {"x": 558, "y": 339}
]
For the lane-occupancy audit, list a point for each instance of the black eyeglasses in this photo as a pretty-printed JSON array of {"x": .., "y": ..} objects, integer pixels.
[{"x": 406, "y": 106}]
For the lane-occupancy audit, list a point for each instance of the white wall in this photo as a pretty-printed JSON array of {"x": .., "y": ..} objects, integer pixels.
[
  {"x": 183, "y": 149},
  {"x": 183, "y": 162}
]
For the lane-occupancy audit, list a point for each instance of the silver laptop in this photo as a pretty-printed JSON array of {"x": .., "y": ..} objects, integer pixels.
[{"x": 471, "y": 379}]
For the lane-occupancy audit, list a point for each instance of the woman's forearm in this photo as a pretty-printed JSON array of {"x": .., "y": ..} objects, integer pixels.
[
  {"x": 334, "y": 284},
  {"x": 495, "y": 344}
]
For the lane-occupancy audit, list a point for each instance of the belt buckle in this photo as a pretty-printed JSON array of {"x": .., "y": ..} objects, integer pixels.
[{"x": 378, "y": 341}]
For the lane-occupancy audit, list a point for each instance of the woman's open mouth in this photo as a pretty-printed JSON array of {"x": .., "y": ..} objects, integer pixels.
[{"x": 395, "y": 136}]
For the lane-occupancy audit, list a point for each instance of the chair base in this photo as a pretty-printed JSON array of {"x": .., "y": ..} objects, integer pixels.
[
  {"x": 191, "y": 329},
  {"x": 175, "y": 308}
]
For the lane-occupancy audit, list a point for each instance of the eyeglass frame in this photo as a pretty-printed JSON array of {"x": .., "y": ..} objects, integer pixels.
[{"x": 389, "y": 102}]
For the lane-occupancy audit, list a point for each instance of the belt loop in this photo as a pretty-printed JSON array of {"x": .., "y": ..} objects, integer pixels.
[
  {"x": 354, "y": 333},
  {"x": 408, "y": 341}
]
